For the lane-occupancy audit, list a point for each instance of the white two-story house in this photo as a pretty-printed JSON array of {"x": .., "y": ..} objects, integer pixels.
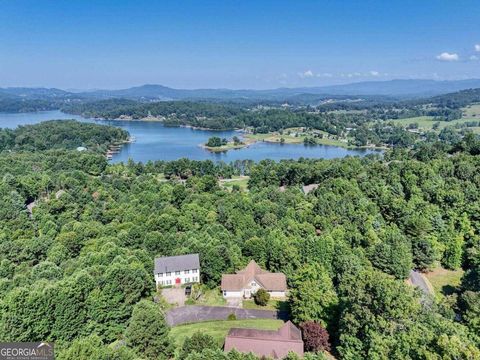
[{"x": 177, "y": 270}]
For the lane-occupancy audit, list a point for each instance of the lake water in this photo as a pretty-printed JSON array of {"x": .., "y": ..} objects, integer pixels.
[{"x": 157, "y": 142}]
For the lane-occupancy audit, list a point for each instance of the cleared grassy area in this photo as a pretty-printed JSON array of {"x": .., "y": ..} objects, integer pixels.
[
  {"x": 297, "y": 136},
  {"x": 276, "y": 138},
  {"x": 444, "y": 282},
  {"x": 241, "y": 181},
  {"x": 281, "y": 305},
  {"x": 472, "y": 112},
  {"x": 209, "y": 297},
  {"x": 219, "y": 329},
  {"x": 426, "y": 122}
]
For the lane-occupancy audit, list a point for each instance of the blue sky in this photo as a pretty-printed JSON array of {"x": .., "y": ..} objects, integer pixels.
[{"x": 236, "y": 44}]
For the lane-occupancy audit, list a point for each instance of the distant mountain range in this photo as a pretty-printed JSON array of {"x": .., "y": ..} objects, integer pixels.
[{"x": 392, "y": 88}]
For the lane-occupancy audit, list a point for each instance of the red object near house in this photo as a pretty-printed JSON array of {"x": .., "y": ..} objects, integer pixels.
[{"x": 178, "y": 281}]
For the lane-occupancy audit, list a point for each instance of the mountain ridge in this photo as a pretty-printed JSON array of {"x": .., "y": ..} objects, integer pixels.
[{"x": 396, "y": 88}]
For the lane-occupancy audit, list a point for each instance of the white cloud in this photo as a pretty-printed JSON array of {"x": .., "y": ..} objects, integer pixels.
[
  {"x": 477, "y": 47},
  {"x": 445, "y": 56},
  {"x": 374, "y": 73},
  {"x": 306, "y": 74},
  {"x": 326, "y": 75},
  {"x": 474, "y": 58}
]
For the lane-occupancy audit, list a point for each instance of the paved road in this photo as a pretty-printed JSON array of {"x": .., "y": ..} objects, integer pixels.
[
  {"x": 418, "y": 280},
  {"x": 192, "y": 314}
]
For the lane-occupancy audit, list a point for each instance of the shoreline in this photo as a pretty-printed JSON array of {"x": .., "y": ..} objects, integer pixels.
[{"x": 246, "y": 136}]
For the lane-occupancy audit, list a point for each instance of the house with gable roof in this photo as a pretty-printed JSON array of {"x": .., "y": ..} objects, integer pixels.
[
  {"x": 275, "y": 344},
  {"x": 246, "y": 282},
  {"x": 177, "y": 270}
]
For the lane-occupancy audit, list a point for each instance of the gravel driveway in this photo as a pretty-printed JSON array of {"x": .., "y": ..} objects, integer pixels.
[
  {"x": 192, "y": 314},
  {"x": 174, "y": 296}
]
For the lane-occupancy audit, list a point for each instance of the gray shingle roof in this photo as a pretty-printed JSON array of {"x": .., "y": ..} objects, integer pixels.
[{"x": 176, "y": 263}]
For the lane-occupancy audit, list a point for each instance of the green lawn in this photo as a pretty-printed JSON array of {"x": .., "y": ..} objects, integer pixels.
[
  {"x": 208, "y": 297},
  {"x": 426, "y": 122},
  {"x": 219, "y": 329},
  {"x": 472, "y": 112},
  {"x": 301, "y": 135},
  {"x": 444, "y": 281},
  {"x": 272, "y": 305},
  {"x": 241, "y": 181}
]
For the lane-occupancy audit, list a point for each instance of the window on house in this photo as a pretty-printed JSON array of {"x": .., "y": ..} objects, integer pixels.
[
  {"x": 168, "y": 274},
  {"x": 187, "y": 280},
  {"x": 160, "y": 274},
  {"x": 194, "y": 271},
  {"x": 187, "y": 271},
  {"x": 253, "y": 283},
  {"x": 169, "y": 282},
  {"x": 195, "y": 278},
  {"x": 177, "y": 272}
]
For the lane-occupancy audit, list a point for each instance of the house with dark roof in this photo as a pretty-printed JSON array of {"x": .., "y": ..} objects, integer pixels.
[
  {"x": 266, "y": 343},
  {"x": 177, "y": 270},
  {"x": 246, "y": 282}
]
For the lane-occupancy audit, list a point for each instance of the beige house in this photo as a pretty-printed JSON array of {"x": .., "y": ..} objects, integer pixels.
[{"x": 246, "y": 282}]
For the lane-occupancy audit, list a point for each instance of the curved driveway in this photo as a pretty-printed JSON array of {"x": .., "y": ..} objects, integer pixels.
[
  {"x": 193, "y": 313},
  {"x": 418, "y": 280}
]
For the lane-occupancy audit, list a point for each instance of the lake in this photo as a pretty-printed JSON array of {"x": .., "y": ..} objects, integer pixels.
[{"x": 154, "y": 141}]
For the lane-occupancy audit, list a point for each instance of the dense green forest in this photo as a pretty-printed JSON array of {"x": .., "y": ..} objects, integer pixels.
[
  {"x": 78, "y": 268},
  {"x": 60, "y": 134}
]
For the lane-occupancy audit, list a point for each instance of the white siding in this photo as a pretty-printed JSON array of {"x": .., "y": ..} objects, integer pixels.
[
  {"x": 277, "y": 294},
  {"x": 185, "y": 276},
  {"x": 233, "y": 294}
]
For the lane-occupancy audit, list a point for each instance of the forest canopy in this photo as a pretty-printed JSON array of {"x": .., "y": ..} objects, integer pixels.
[{"x": 77, "y": 267}]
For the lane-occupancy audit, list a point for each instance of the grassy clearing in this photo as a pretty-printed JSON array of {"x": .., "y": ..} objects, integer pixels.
[
  {"x": 297, "y": 136},
  {"x": 426, "y": 122},
  {"x": 444, "y": 282},
  {"x": 472, "y": 112},
  {"x": 281, "y": 305},
  {"x": 219, "y": 329},
  {"x": 209, "y": 297},
  {"x": 241, "y": 181}
]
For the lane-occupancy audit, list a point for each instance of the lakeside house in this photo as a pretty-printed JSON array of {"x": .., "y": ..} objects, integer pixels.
[
  {"x": 266, "y": 343},
  {"x": 246, "y": 282},
  {"x": 177, "y": 270}
]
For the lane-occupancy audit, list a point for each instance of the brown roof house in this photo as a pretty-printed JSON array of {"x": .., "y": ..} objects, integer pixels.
[
  {"x": 268, "y": 343},
  {"x": 246, "y": 282}
]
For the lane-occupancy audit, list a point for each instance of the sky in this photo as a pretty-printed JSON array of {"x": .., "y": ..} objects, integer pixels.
[{"x": 259, "y": 44}]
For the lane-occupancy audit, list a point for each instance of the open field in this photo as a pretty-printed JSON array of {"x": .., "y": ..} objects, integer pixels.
[
  {"x": 472, "y": 112},
  {"x": 426, "y": 122},
  {"x": 297, "y": 136},
  {"x": 444, "y": 281},
  {"x": 219, "y": 329},
  {"x": 241, "y": 181}
]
